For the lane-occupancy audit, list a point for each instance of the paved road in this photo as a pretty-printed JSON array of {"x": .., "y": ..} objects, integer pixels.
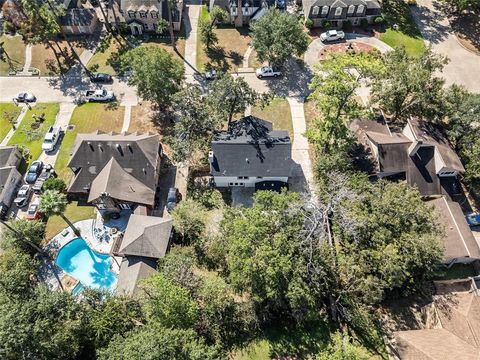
[{"x": 464, "y": 66}]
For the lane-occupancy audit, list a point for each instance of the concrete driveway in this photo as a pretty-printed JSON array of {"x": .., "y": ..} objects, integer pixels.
[{"x": 464, "y": 66}]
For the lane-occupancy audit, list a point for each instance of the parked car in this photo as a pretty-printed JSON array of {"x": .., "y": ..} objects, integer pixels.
[
  {"x": 101, "y": 95},
  {"x": 33, "y": 171},
  {"x": 101, "y": 78},
  {"x": 473, "y": 219},
  {"x": 51, "y": 139},
  {"x": 3, "y": 211},
  {"x": 32, "y": 212},
  {"x": 25, "y": 98},
  {"x": 332, "y": 35},
  {"x": 172, "y": 198},
  {"x": 281, "y": 4},
  {"x": 47, "y": 173},
  {"x": 23, "y": 196},
  {"x": 211, "y": 75},
  {"x": 268, "y": 71}
]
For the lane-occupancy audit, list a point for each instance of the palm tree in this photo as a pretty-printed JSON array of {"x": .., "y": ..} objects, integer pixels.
[{"x": 52, "y": 203}]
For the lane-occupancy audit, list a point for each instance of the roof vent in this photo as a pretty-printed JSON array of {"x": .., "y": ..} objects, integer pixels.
[
  {"x": 100, "y": 147},
  {"x": 119, "y": 148},
  {"x": 130, "y": 148},
  {"x": 144, "y": 171},
  {"x": 247, "y": 161},
  {"x": 210, "y": 156},
  {"x": 91, "y": 146}
]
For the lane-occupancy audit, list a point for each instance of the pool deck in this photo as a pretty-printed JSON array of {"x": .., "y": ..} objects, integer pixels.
[{"x": 97, "y": 233}]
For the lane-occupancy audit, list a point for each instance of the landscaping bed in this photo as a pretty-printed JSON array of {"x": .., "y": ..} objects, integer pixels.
[
  {"x": 87, "y": 118},
  {"x": 7, "y": 111}
]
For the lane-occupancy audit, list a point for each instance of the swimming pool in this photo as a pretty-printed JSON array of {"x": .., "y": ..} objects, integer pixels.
[{"x": 92, "y": 269}]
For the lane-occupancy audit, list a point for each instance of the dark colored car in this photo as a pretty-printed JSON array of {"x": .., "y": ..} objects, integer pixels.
[
  {"x": 33, "y": 171},
  {"x": 101, "y": 78},
  {"x": 3, "y": 211},
  {"x": 281, "y": 4},
  {"x": 172, "y": 198}
]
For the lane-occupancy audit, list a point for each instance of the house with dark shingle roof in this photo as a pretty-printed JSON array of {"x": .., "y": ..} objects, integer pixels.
[
  {"x": 242, "y": 12},
  {"x": 250, "y": 154},
  {"x": 10, "y": 178},
  {"x": 79, "y": 21},
  {"x": 115, "y": 171},
  {"x": 338, "y": 12}
]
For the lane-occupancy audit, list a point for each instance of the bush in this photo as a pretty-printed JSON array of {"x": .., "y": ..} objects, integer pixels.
[
  {"x": 364, "y": 23},
  {"x": 9, "y": 28},
  {"x": 55, "y": 184},
  {"x": 379, "y": 20},
  {"x": 327, "y": 25},
  {"x": 309, "y": 23},
  {"x": 347, "y": 25},
  {"x": 412, "y": 2}
]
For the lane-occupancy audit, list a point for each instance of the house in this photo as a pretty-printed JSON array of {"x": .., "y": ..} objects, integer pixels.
[
  {"x": 242, "y": 12},
  {"x": 143, "y": 15},
  {"x": 419, "y": 154},
  {"x": 453, "y": 331},
  {"x": 115, "y": 171},
  {"x": 10, "y": 178},
  {"x": 459, "y": 243},
  {"x": 146, "y": 239},
  {"x": 250, "y": 154},
  {"x": 79, "y": 21},
  {"x": 338, "y": 12}
]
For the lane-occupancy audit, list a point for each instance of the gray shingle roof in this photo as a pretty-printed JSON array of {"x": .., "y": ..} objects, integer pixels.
[
  {"x": 369, "y": 4},
  {"x": 133, "y": 269},
  {"x": 78, "y": 17},
  {"x": 9, "y": 156},
  {"x": 146, "y": 236},
  {"x": 252, "y": 148}
]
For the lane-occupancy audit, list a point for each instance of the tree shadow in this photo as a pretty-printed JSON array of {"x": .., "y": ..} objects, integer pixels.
[
  {"x": 467, "y": 28},
  {"x": 429, "y": 22}
]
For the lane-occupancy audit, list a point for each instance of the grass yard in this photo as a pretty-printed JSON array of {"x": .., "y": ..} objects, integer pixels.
[
  {"x": 42, "y": 56},
  {"x": 228, "y": 54},
  {"x": 310, "y": 112},
  {"x": 278, "y": 112},
  {"x": 74, "y": 213},
  {"x": 14, "y": 53},
  {"x": 30, "y": 138},
  {"x": 100, "y": 60},
  {"x": 87, "y": 118},
  {"x": 407, "y": 34},
  {"x": 253, "y": 62},
  {"x": 7, "y": 110}
]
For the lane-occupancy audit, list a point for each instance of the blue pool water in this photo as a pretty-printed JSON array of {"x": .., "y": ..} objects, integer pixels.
[{"x": 92, "y": 269}]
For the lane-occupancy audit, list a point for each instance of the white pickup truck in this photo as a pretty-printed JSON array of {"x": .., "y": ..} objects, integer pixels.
[
  {"x": 101, "y": 95},
  {"x": 332, "y": 35},
  {"x": 267, "y": 71},
  {"x": 51, "y": 139}
]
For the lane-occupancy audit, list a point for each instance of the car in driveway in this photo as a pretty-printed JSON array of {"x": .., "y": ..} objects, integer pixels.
[
  {"x": 100, "y": 95},
  {"x": 23, "y": 196},
  {"x": 172, "y": 198},
  {"x": 473, "y": 219},
  {"x": 211, "y": 75},
  {"x": 33, "y": 171},
  {"x": 101, "y": 78},
  {"x": 332, "y": 35},
  {"x": 25, "y": 98},
  {"x": 268, "y": 71},
  {"x": 51, "y": 139},
  {"x": 32, "y": 212}
]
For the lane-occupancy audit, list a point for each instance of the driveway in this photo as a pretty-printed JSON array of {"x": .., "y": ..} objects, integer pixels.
[{"x": 464, "y": 66}]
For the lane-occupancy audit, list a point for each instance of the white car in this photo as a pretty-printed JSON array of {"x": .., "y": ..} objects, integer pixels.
[
  {"x": 101, "y": 95},
  {"x": 23, "y": 196},
  {"x": 211, "y": 75},
  {"x": 51, "y": 139},
  {"x": 332, "y": 35},
  {"x": 268, "y": 71},
  {"x": 25, "y": 98}
]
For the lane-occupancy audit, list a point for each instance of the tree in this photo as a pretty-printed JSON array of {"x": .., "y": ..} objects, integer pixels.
[
  {"x": 409, "y": 87},
  {"x": 342, "y": 347},
  {"x": 195, "y": 126},
  {"x": 207, "y": 26},
  {"x": 156, "y": 74},
  {"x": 154, "y": 343},
  {"x": 23, "y": 235},
  {"x": 167, "y": 304},
  {"x": 333, "y": 89},
  {"x": 17, "y": 271},
  {"x": 179, "y": 266},
  {"x": 229, "y": 96},
  {"x": 278, "y": 35},
  {"x": 56, "y": 184},
  {"x": 189, "y": 220},
  {"x": 54, "y": 203}
]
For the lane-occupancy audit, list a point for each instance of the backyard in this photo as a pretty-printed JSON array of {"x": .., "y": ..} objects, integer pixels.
[
  {"x": 277, "y": 112},
  {"x": 14, "y": 53},
  {"x": 228, "y": 53},
  {"x": 87, "y": 118},
  {"x": 8, "y": 111},
  {"x": 74, "y": 212},
  {"x": 28, "y": 135},
  {"x": 401, "y": 29}
]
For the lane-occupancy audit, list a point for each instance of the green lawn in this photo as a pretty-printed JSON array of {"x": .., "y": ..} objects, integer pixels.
[
  {"x": 33, "y": 139},
  {"x": 14, "y": 51},
  {"x": 87, "y": 118},
  {"x": 43, "y": 57},
  {"x": 74, "y": 213},
  {"x": 407, "y": 33},
  {"x": 228, "y": 54},
  {"x": 278, "y": 112},
  {"x": 7, "y": 110}
]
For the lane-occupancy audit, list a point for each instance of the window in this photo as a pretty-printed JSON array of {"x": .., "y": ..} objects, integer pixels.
[
  {"x": 243, "y": 177},
  {"x": 338, "y": 11},
  {"x": 315, "y": 10},
  {"x": 143, "y": 14},
  {"x": 324, "y": 11},
  {"x": 132, "y": 14},
  {"x": 360, "y": 9},
  {"x": 145, "y": 26},
  {"x": 154, "y": 14},
  {"x": 351, "y": 10},
  {"x": 259, "y": 177}
]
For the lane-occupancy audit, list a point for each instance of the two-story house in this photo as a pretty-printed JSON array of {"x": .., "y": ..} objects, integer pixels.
[
  {"x": 115, "y": 171},
  {"x": 10, "y": 178},
  {"x": 337, "y": 12},
  {"x": 242, "y": 12}
]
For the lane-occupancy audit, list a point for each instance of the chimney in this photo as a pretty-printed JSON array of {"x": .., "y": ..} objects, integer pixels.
[
  {"x": 210, "y": 157},
  {"x": 412, "y": 150}
]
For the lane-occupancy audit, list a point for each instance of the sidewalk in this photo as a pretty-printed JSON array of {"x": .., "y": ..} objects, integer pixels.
[{"x": 191, "y": 16}]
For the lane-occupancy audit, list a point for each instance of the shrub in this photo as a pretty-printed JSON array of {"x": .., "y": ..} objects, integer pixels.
[
  {"x": 8, "y": 27},
  {"x": 347, "y": 25},
  {"x": 327, "y": 25},
  {"x": 379, "y": 20},
  {"x": 412, "y": 2},
  {"x": 55, "y": 184},
  {"x": 364, "y": 23},
  {"x": 309, "y": 23}
]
